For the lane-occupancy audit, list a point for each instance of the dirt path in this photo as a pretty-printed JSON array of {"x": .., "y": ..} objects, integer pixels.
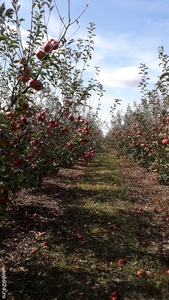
[
  {"x": 41, "y": 210},
  {"x": 152, "y": 200},
  {"x": 35, "y": 212}
]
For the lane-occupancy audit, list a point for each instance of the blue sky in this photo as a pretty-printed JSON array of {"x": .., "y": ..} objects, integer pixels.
[{"x": 128, "y": 32}]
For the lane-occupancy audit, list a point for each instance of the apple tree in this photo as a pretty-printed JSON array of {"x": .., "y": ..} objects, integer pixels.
[{"x": 44, "y": 98}]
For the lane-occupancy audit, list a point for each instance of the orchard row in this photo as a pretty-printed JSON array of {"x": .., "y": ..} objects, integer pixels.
[
  {"x": 46, "y": 119},
  {"x": 142, "y": 132},
  {"x": 146, "y": 144},
  {"x": 33, "y": 145}
]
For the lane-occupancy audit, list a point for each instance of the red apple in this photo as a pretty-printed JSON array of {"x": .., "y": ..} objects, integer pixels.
[
  {"x": 2, "y": 199},
  {"x": 41, "y": 117},
  {"x": 50, "y": 126},
  {"x": 16, "y": 163},
  {"x": 13, "y": 125},
  {"x": 32, "y": 83},
  {"x": 165, "y": 141},
  {"x": 28, "y": 114},
  {"x": 35, "y": 84},
  {"x": 26, "y": 71},
  {"x": 56, "y": 124},
  {"x": 24, "y": 120},
  {"x": 69, "y": 144},
  {"x": 25, "y": 105},
  {"x": 25, "y": 75},
  {"x": 38, "y": 86},
  {"x": 114, "y": 294},
  {"x": 79, "y": 236},
  {"x": 23, "y": 60},
  {"x": 82, "y": 140},
  {"x": 121, "y": 261},
  {"x": 34, "y": 142},
  {"x": 12, "y": 155},
  {"x": 52, "y": 122},
  {"x": 24, "y": 78},
  {"x": 65, "y": 129},
  {"x": 9, "y": 114},
  {"x": 71, "y": 117},
  {"x": 55, "y": 44},
  {"x": 40, "y": 54},
  {"x": 28, "y": 157},
  {"x": 85, "y": 122},
  {"x": 45, "y": 243},
  {"x": 78, "y": 118},
  {"x": 22, "y": 161},
  {"x": 47, "y": 47}
]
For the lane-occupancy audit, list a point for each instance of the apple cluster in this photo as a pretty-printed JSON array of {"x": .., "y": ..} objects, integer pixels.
[
  {"x": 40, "y": 54},
  {"x": 35, "y": 144},
  {"x": 147, "y": 143},
  {"x": 47, "y": 48}
]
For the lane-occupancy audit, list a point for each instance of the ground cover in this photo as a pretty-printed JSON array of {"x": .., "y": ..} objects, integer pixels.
[{"x": 89, "y": 232}]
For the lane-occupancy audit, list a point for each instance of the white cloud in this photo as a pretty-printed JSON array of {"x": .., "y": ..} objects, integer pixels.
[
  {"x": 124, "y": 53},
  {"x": 127, "y": 46},
  {"x": 126, "y": 77}
]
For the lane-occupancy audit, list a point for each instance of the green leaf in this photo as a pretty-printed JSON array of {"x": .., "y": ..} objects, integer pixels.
[
  {"x": 9, "y": 13},
  {"x": 34, "y": 4},
  {"x": 21, "y": 178},
  {"x": 1, "y": 163},
  {"x": 3, "y": 209},
  {"x": 164, "y": 74},
  {"x": 3, "y": 38},
  {"x": 21, "y": 20},
  {"x": 2, "y": 10}
]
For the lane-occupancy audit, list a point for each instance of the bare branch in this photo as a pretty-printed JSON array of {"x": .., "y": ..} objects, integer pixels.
[
  {"x": 69, "y": 13},
  {"x": 66, "y": 26}
]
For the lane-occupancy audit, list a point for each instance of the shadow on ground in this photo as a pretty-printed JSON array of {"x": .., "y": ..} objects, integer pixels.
[{"x": 80, "y": 260}]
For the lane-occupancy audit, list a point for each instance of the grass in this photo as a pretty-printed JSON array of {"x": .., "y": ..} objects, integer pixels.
[{"x": 98, "y": 227}]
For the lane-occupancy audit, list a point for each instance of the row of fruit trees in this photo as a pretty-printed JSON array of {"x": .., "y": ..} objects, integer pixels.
[
  {"x": 46, "y": 120},
  {"x": 142, "y": 132}
]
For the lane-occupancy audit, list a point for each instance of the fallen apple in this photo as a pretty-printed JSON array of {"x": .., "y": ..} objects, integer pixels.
[
  {"x": 121, "y": 261},
  {"x": 114, "y": 294},
  {"x": 45, "y": 243}
]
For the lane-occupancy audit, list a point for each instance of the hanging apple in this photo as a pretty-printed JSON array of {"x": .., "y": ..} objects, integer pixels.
[
  {"x": 55, "y": 44},
  {"x": 40, "y": 54},
  {"x": 35, "y": 84}
]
